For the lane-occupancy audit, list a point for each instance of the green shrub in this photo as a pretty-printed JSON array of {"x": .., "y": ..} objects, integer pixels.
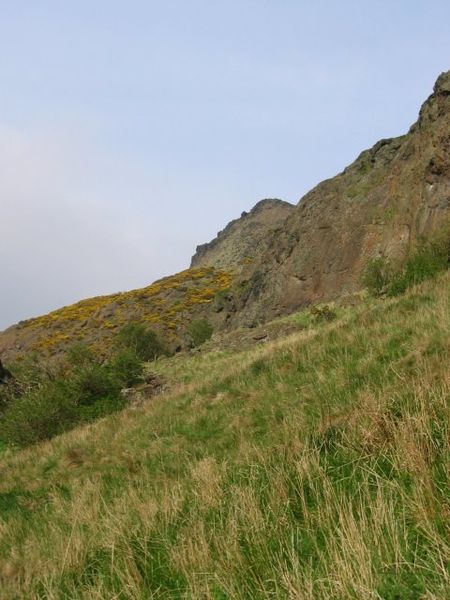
[
  {"x": 38, "y": 415},
  {"x": 101, "y": 407},
  {"x": 323, "y": 313},
  {"x": 31, "y": 373},
  {"x": 377, "y": 276},
  {"x": 6, "y": 396},
  {"x": 200, "y": 331},
  {"x": 144, "y": 342},
  {"x": 222, "y": 299},
  {"x": 47, "y": 403},
  {"x": 80, "y": 355},
  {"x": 126, "y": 368},
  {"x": 88, "y": 385},
  {"x": 431, "y": 258}
]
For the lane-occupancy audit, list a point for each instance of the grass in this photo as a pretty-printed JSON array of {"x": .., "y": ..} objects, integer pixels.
[{"x": 311, "y": 467}]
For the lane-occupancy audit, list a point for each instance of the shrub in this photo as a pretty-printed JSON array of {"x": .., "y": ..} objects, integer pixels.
[
  {"x": 6, "y": 395},
  {"x": 49, "y": 402},
  {"x": 92, "y": 383},
  {"x": 323, "y": 313},
  {"x": 31, "y": 373},
  {"x": 80, "y": 355},
  {"x": 144, "y": 342},
  {"x": 377, "y": 276},
  {"x": 222, "y": 299},
  {"x": 37, "y": 416},
  {"x": 431, "y": 258},
  {"x": 200, "y": 331},
  {"x": 126, "y": 368}
]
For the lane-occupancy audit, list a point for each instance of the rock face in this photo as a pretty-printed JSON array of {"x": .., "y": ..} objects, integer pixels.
[
  {"x": 245, "y": 238},
  {"x": 379, "y": 205}
]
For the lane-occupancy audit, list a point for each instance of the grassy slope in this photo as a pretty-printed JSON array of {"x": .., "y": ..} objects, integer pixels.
[{"x": 311, "y": 467}]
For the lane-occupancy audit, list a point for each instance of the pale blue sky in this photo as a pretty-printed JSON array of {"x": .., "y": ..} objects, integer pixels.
[{"x": 132, "y": 131}]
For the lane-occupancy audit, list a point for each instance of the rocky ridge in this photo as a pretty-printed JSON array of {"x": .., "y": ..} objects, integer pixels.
[
  {"x": 243, "y": 238},
  {"x": 380, "y": 205}
]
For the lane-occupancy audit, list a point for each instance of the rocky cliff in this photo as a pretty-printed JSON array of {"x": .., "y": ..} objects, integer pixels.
[
  {"x": 381, "y": 204},
  {"x": 243, "y": 238}
]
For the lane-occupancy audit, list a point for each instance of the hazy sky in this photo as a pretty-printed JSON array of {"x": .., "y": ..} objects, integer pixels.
[{"x": 132, "y": 131}]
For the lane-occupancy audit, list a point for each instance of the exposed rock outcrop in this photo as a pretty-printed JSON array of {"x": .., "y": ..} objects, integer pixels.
[
  {"x": 379, "y": 205},
  {"x": 245, "y": 238}
]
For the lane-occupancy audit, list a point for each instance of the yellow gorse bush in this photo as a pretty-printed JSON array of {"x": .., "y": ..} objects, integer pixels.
[{"x": 166, "y": 304}]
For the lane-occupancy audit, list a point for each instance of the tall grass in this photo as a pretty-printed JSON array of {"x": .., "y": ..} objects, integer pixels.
[{"x": 314, "y": 467}]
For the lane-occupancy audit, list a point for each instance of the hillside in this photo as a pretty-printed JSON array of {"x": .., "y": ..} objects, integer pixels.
[
  {"x": 167, "y": 306},
  {"x": 278, "y": 258},
  {"x": 299, "y": 452},
  {"x": 314, "y": 466}
]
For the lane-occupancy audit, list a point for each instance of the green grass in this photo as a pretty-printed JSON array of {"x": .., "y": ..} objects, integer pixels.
[{"x": 314, "y": 466}]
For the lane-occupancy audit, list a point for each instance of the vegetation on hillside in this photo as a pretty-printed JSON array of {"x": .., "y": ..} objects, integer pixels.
[
  {"x": 167, "y": 305},
  {"x": 44, "y": 400},
  {"x": 200, "y": 331},
  {"x": 431, "y": 258},
  {"x": 141, "y": 341},
  {"x": 311, "y": 467}
]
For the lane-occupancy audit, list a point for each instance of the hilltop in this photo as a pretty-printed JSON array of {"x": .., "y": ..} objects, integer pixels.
[{"x": 381, "y": 205}]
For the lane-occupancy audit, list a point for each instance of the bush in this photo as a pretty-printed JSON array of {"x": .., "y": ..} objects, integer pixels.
[
  {"x": 200, "y": 331},
  {"x": 377, "y": 276},
  {"x": 80, "y": 355},
  {"x": 47, "y": 403},
  {"x": 38, "y": 416},
  {"x": 222, "y": 300},
  {"x": 92, "y": 383},
  {"x": 31, "y": 374},
  {"x": 127, "y": 368},
  {"x": 323, "y": 313},
  {"x": 431, "y": 258},
  {"x": 6, "y": 395},
  {"x": 144, "y": 342}
]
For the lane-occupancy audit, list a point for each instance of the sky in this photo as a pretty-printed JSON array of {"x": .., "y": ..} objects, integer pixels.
[{"x": 132, "y": 131}]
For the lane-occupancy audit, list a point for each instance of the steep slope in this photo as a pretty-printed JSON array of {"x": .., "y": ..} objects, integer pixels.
[
  {"x": 380, "y": 205},
  {"x": 243, "y": 238},
  {"x": 314, "y": 467}
]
